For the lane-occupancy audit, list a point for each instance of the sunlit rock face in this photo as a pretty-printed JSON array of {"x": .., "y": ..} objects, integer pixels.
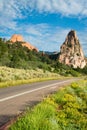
[
  {"x": 19, "y": 38},
  {"x": 71, "y": 52}
]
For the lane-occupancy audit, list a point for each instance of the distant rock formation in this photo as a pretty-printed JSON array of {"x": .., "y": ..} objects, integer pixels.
[
  {"x": 19, "y": 38},
  {"x": 71, "y": 51},
  {"x": 16, "y": 37}
]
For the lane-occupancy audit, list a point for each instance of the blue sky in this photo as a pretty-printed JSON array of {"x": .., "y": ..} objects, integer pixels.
[{"x": 44, "y": 23}]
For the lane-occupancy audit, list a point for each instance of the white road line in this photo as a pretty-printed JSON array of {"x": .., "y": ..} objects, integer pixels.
[{"x": 30, "y": 91}]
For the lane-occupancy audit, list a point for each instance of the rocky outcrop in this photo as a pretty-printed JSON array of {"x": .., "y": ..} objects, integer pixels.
[
  {"x": 71, "y": 52},
  {"x": 16, "y": 37},
  {"x": 19, "y": 38}
]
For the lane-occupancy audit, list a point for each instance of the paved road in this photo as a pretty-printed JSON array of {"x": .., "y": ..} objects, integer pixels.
[{"x": 14, "y": 100}]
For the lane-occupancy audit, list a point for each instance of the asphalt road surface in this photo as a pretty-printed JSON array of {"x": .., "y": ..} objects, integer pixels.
[{"x": 14, "y": 100}]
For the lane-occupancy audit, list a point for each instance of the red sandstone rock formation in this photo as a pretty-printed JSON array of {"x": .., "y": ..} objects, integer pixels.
[{"x": 19, "y": 38}]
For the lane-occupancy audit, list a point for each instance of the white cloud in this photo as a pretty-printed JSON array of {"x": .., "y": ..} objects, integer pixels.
[
  {"x": 64, "y": 7},
  {"x": 12, "y": 10},
  {"x": 48, "y": 38},
  {"x": 45, "y": 37},
  {"x": 42, "y": 36}
]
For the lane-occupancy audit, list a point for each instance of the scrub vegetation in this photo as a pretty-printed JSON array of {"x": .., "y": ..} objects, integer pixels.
[{"x": 12, "y": 76}]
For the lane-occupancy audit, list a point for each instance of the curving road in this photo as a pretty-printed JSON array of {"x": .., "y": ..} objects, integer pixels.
[{"x": 14, "y": 100}]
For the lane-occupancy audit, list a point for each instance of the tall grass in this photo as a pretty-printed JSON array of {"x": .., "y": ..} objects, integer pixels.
[
  {"x": 11, "y": 76},
  {"x": 65, "y": 110}
]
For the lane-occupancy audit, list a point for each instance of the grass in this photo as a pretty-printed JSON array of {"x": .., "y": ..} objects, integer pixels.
[
  {"x": 65, "y": 110},
  {"x": 20, "y": 82},
  {"x": 12, "y": 77}
]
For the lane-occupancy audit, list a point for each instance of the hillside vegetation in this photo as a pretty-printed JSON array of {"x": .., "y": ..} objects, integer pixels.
[
  {"x": 65, "y": 110},
  {"x": 19, "y": 65},
  {"x": 12, "y": 76},
  {"x": 17, "y": 56}
]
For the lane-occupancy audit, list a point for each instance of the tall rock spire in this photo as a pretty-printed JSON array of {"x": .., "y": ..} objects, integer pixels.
[{"x": 71, "y": 51}]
